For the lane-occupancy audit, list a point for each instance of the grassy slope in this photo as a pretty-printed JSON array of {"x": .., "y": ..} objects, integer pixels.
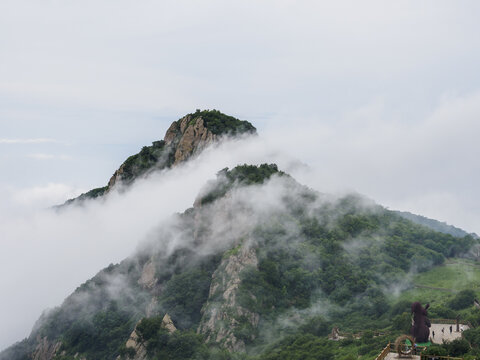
[{"x": 455, "y": 275}]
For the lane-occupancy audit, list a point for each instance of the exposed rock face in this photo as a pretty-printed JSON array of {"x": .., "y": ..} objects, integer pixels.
[
  {"x": 140, "y": 348},
  {"x": 167, "y": 323},
  {"x": 45, "y": 349},
  {"x": 151, "y": 309},
  {"x": 135, "y": 343},
  {"x": 116, "y": 177},
  {"x": 188, "y": 135},
  {"x": 183, "y": 139},
  {"x": 222, "y": 314},
  {"x": 147, "y": 279}
]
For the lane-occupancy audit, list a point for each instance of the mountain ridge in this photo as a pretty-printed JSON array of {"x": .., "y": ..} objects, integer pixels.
[
  {"x": 436, "y": 225},
  {"x": 227, "y": 281},
  {"x": 258, "y": 264},
  {"x": 185, "y": 138}
]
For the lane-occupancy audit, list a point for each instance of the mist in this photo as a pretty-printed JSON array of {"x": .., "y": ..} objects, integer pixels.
[
  {"x": 47, "y": 254},
  {"x": 377, "y": 98}
]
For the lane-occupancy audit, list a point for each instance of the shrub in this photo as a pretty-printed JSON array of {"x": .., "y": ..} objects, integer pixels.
[
  {"x": 462, "y": 300},
  {"x": 402, "y": 322}
]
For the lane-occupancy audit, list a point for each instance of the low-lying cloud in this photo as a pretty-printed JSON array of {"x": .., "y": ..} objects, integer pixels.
[
  {"x": 46, "y": 253},
  {"x": 427, "y": 168}
]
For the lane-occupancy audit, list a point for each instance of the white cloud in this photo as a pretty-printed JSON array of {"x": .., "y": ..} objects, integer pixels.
[
  {"x": 388, "y": 159},
  {"x": 402, "y": 165},
  {"x": 269, "y": 56},
  {"x": 345, "y": 95},
  {"x": 65, "y": 248},
  {"x": 42, "y": 197}
]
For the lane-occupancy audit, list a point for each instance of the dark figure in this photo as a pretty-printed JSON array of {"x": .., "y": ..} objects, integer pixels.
[
  {"x": 451, "y": 329},
  {"x": 443, "y": 330},
  {"x": 433, "y": 334},
  {"x": 420, "y": 328}
]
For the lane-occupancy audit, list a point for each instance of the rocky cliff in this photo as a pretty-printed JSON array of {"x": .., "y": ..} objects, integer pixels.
[
  {"x": 223, "y": 316},
  {"x": 188, "y": 136},
  {"x": 46, "y": 349}
]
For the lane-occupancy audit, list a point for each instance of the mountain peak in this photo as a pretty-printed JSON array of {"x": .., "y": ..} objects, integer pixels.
[
  {"x": 242, "y": 175},
  {"x": 266, "y": 263},
  {"x": 214, "y": 121},
  {"x": 184, "y": 138},
  {"x": 195, "y": 131}
]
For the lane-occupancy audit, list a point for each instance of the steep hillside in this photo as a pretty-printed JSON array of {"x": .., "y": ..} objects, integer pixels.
[
  {"x": 435, "y": 224},
  {"x": 261, "y": 267},
  {"x": 185, "y": 138}
]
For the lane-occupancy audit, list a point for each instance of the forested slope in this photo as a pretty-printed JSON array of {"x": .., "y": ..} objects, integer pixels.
[{"x": 260, "y": 267}]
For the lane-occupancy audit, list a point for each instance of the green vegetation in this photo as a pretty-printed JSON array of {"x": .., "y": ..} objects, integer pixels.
[
  {"x": 232, "y": 252},
  {"x": 221, "y": 124},
  {"x": 340, "y": 275},
  {"x": 307, "y": 346},
  {"x": 301, "y": 347},
  {"x": 250, "y": 174},
  {"x": 450, "y": 289},
  {"x": 462, "y": 300},
  {"x": 156, "y": 156},
  {"x": 457, "y": 347},
  {"x": 440, "y": 284},
  {"x": 92, "y": 321},
  {"x": 92, "y": 194},
  {"x": 184, "y": 296},
  {"x": 160, "y": 156},
  {"x": 434, "y": 224},
  {"x": 241, "y": 175},
  {"x": 99, "y": 337},
  {"x": 19, "y": 351},
  {"x": 178, "y": 345},
  {"x": 320, "y": 263}
]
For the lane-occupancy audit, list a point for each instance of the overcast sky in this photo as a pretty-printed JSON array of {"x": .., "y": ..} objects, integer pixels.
[{"x": 379, "y": 97}]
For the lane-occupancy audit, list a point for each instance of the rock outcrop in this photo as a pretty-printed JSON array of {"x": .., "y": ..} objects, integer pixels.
[
  {"x": 188, "y": 136},
  {"x": 45, "y": 350},
  {"x": 222, "y": 314},
  {"x": 140, "y": 348},
  {"x": 184, "y": 138},
  {"x": 167, "y": 323},
  {"x": 134, "y": 343},
  {"x": 147, "y": 279},
  {"x": 117, "y": 176}
]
